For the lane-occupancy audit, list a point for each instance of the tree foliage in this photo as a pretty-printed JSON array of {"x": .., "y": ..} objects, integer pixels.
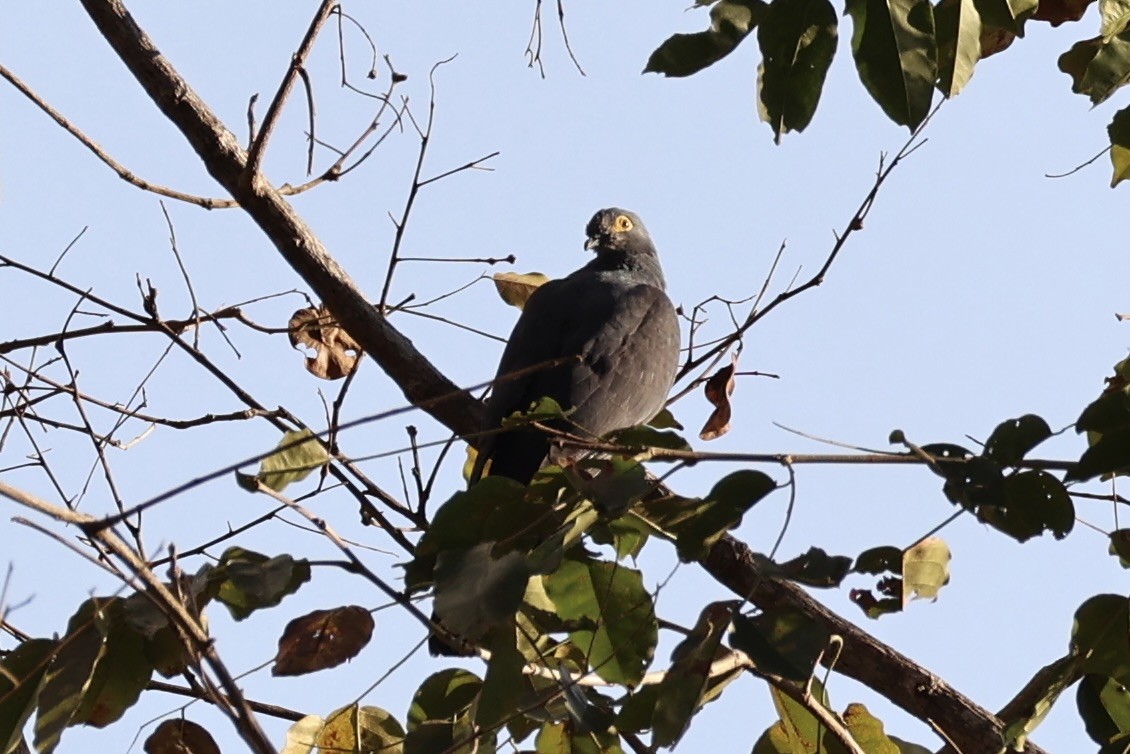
[{"x": 543, "y": 586}]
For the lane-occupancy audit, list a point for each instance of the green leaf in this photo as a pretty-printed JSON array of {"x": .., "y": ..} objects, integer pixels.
[
  {"x": 813, "y": 568},
  {"x": 617, "y": 485},
  {"x": 1119, "y": 132},
  {"x": 925, "y": 569},
  {"x": 249, "y": 581},
  {"x": 782, "y": 641},
  {"x": 618, "y": 630},
  {"x": 299, "y": 453},
  {"x": 1111, "y": 454},
  {"x": 798, "y": 40},
  {"x": 563, "y": 738},
  {"x": 1009, "y": 15},
  {"x": 1012, "y": 439},
  {"x": 496, "y": 505},
  {"x": 895, "y": 53},
  {"x": 476, "y": 591},
  {"x": 627, "y": 535},
  {"x": 1104, "y": 706},
  {"x": 664, "y": 420},
  {"x": 684, "y": 54},
  {"x": 878, "y": 560},
  {"x": 62, "y": 688},
  {"x": 503, "y": 685},
  {"x": 1055, "y": 679},
  {"x": 1034, "y": 502},
  {"x": 644, "y": 436},
  {"x": 1109, "y": 70},
  {"x": 682, "y": 689},
  {"x": 1120, "y": 546},
  {"x": 867, "y": 730},
  {"x": 21, "y": 672},
  {"x": 440, "y": 715},
  {"x": 121, "y": 672},
  {"x": 801, "y": 731},
  {"x": 697, "y": 524},
  {"x": 1101, "y": 636},
  {"x": 959, "y": 44}
]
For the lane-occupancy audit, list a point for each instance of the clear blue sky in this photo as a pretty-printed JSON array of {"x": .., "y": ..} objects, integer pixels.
[{"x": 979, "y": 290}]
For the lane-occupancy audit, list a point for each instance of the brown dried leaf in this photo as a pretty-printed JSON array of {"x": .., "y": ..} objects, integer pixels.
[
  {"x": 994, "y": 40},
  {"x": 1056, "y": 12},
  {"x": 718, "y": 390},
  {"x": 336, "y": 351},
  {"x": 515, "y": 288},
  {"x": 180, "y": 737},
  {"x": 323, "y": 639}
]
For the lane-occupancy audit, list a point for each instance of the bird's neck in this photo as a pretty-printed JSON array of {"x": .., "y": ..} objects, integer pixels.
[{"x": 644, "y": 266}]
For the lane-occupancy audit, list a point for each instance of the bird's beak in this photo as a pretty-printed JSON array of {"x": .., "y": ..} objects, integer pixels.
[{"x": 592, "y": 242}]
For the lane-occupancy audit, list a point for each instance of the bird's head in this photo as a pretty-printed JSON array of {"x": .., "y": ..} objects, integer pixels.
[{"x": 617, "y": 230}]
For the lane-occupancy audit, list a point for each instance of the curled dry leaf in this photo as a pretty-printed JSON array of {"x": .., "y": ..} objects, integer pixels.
[
  {"x": 515, "y": 288},
  {"x": 718, "y": 390},
  {"x": 336, "y": 351},
  {"x": 180, "y": 737},
  {"x": 323, "y": 639}
]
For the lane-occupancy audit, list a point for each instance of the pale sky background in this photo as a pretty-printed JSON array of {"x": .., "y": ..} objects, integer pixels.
[{"x": 978, "y": 291}]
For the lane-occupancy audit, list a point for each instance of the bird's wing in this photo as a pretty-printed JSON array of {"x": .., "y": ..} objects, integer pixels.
[
  {"x": 628, "y": 363},
  {"x": 626, "y": 336}
]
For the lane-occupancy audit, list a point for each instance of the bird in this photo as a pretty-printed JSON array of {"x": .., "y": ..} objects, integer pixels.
[{"x": 612, "y": 333}]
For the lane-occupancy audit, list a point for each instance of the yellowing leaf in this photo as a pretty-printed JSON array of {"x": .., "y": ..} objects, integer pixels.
[
  {"x": 515, "y": 288},
  {"x": 1120, "y": 160},
  {"x": 925, "y": 569},
  {"x": 294, "y": 461},
  {"x": 301, "y": 738}
]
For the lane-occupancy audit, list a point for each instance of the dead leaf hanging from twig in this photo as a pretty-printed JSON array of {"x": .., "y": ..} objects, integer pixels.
[
  {"x": 718, "y": 390},
  {"x": 336, "y": 352},
  {"x": 515, "y": 288}
]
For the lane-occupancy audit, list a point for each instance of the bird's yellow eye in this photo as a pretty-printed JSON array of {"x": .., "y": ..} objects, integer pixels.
[{"x": 622, "y": 224}]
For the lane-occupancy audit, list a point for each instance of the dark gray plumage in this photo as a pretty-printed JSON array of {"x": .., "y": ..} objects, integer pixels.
[{"x": 615, "y": 315}]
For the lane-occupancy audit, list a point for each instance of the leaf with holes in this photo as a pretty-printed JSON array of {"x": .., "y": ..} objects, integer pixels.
[
  {"x": 1034, "y": 502},
  {"x": 1014, "y": 438},
  {"x": 335, "y": 350},
  {"x": 798, "y": 39}
]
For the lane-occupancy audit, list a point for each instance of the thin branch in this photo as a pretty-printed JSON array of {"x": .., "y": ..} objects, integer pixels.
[
  {"x": 270, "y": 120},
  {"x": 855, "y": 224}
]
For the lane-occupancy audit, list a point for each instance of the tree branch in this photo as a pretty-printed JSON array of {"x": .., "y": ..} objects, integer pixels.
[{"x": 226, "y": 161}]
